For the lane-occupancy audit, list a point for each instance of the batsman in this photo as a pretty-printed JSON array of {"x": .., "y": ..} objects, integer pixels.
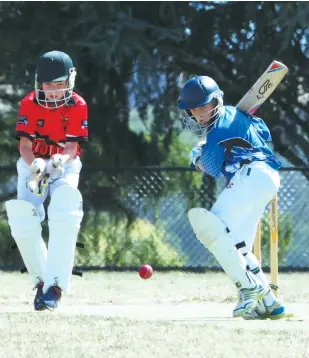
[
  {"x": 52, "y": 121},
  {"x": 234, "y": 144}
]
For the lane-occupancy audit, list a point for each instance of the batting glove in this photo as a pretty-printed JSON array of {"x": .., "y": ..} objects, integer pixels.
[{"x": 195, "y": 156}]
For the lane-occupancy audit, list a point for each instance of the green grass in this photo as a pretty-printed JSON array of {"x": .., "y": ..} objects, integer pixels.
[{"x": 170, "y": 315}]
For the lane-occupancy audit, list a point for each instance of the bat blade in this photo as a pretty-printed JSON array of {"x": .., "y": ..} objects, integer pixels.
[{"x": 263, "y": 87}]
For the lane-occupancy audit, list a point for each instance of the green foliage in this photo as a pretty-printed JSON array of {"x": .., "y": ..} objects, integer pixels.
[
  {"x": 8, "y": 257},
  {"x": 131, "y": 59},
  {"x": 112, "y": 241},
  {"x": 112, "y": 45},
  {"x": 136, "y": 54}
]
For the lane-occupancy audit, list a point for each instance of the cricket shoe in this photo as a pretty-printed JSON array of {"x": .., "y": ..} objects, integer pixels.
[
  {"x": 38, "y": 303},
  {"x": 275, "y": 311},
  {"x": 52, "y": 297},
  {"x": 248, "y": 300}
]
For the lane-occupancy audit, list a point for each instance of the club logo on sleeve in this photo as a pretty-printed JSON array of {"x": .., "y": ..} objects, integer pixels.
[
  {"x": 84, "y": 124},
  {"x": 40, "y": 123},
  {"x": 22, "y": 120}
]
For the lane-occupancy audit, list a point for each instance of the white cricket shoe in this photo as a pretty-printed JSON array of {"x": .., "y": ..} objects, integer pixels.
[
  {"x": 275, "y": 311},
  {"x": 262, "y": 311},
  {"x": 248, "y": 300}
]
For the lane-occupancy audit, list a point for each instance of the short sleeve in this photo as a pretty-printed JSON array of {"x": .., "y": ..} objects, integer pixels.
[
  {"x": 238, "y": 127},
  {"x": 212, "y": 158},
  {"x": 262, "y": 129},
  {"x": 77, "y": 128},
  {"x": 24, "y": 126}
]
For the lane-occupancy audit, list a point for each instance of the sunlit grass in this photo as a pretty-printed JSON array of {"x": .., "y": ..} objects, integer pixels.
[{"x": 170, "y": 315}]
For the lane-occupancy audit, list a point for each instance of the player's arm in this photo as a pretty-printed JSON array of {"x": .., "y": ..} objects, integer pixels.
[
  {"x": 69, "y": 151},
  {"x": 76, "y": 132},
  {"x": 26, "y": 150},
  {"x": 24, "y": 131},
  {"x": 77, "y": 129}
]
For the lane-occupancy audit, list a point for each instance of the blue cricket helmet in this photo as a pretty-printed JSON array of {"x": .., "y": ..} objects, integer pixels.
[{"x": 197, "y": 92}]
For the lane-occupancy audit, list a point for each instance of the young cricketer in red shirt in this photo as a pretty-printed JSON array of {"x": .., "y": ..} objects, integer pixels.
[{"x": 52, "y": 121}]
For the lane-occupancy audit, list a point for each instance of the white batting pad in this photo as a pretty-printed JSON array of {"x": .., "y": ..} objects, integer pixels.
[
  {"x": 212, "y": 233},
  {"x": 65, "y": 215},
  {"x": 26, "y": 230},
  {"x": 206, "y": 225}
]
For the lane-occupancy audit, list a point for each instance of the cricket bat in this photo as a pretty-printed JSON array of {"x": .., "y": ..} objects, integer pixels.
[
  {"x": 263, "y": 87},
  {"x": 250, "y": 103}
]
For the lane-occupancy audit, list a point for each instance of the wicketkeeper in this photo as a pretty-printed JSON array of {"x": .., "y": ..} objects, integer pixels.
[
  {"x": 52, "y": 121},
  {"x": 235, "y": 145}
]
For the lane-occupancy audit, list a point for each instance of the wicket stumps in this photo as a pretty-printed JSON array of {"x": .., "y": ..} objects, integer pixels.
[{"x": 257, "y": 247}]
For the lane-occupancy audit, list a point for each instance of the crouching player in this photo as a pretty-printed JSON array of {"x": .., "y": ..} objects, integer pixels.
[
  {"x": 236, "y": 146},
  {"x": 51, "y": 122}
]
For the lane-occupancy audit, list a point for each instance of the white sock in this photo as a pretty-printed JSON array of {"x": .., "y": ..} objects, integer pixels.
[{"x": 269, "y": 298}]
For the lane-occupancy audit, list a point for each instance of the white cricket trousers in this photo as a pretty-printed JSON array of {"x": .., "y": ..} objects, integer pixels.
[{"x": 242, "y": 203}]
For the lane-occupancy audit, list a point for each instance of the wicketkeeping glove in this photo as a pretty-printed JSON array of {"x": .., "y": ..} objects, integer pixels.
[
  {"x": 36, "y": 180},
  {"x": 55, "y": 167}
]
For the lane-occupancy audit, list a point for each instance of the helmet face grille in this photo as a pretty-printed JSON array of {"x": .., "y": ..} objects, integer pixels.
[
  {"x": 54, "y": 66},
  {"x": 66, "y": 93},
  {"x": 201, "y": 130}
]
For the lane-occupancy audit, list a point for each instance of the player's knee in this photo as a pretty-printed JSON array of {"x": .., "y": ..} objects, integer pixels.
[
  {"x": 66, "y": 205},
  {"x": 207, "y": 226},
  {"x": 20, "y": 209},
  {"x": 23, "y": 218}
]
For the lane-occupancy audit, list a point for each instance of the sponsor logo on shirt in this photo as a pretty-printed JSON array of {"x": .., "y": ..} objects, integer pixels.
[
  {"x": 22, "y": 120},
  {"x": 84, "y": 124},
  {"x": 40, "y": 123}
]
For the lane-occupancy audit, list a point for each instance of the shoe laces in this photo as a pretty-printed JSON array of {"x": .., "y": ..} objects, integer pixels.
[
  {"x": 38, "y": 285},
  {"x": 247, "y": 294}
]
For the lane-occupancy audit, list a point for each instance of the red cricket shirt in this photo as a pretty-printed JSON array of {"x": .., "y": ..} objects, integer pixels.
[{"x": 50, "y": 128}]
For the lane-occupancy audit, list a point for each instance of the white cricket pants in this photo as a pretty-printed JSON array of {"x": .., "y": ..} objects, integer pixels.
[{"x": 242, "y": 203}]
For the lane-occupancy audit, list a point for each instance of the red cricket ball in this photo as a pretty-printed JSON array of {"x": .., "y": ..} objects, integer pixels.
[{"x": 145, "y": 271}]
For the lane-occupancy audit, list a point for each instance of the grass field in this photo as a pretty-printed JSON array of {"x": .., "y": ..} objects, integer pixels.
[{"x": 170, "y": 315}]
